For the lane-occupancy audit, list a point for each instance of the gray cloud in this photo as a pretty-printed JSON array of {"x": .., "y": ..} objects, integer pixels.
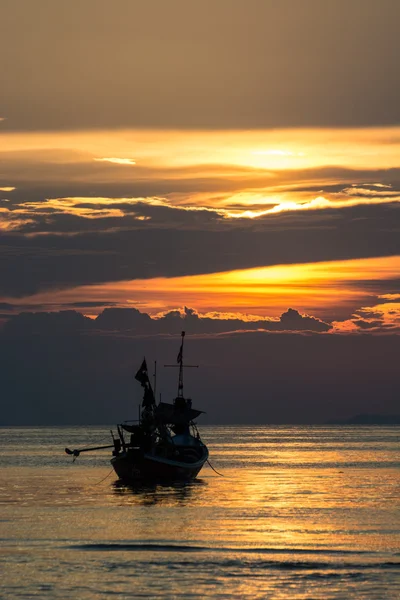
[
  {"x": 7, "y": 306},
  {"x": 131, "y": 320},
  {"x": 367, "y": 324},
  {"x": 174, "y": 321},
  {"x": 209, "y": 64},
  {"x": 30, "y": 264},
  {"x": 23, "y": 307}
]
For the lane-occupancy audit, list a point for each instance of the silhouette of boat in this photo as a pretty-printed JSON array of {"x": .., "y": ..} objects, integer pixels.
[{"x": 164, "y": 444}]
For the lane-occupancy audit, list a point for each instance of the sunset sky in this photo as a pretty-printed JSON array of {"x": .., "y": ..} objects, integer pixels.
[
  {"x": 229, "y": 168},
  {"x": 237, "y": 158}
]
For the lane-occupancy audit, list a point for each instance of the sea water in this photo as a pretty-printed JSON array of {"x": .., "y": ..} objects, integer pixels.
[{"x": 296, "y": 512}]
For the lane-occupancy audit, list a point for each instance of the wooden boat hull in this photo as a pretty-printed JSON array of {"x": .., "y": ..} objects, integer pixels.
[{"x": 136, "y": 466}]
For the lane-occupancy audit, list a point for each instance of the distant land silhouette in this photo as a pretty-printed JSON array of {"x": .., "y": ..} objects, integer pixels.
[{"x": 366, "y": 419}]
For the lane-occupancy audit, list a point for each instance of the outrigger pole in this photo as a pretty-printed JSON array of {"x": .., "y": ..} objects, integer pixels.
[{"x": 77, "y": 452}]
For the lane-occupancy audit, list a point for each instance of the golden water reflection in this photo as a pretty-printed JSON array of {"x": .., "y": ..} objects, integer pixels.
[{"x": 304, "y": 509}]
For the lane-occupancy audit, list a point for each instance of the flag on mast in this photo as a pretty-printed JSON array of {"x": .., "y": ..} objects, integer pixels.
[{"x": 142, "y": 375}]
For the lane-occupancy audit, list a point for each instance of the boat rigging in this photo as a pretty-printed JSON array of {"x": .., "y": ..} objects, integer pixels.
[{"x": 164, "y": 444}]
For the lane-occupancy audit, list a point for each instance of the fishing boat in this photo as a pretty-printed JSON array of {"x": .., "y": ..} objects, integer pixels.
[{"x": 164, "y": 444}]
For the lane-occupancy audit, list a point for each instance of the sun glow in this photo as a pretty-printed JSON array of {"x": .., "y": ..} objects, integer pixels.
[
  {"x": 266, "y": 149},
  {"x": 320, "y": 289},
  {"x": 217, "y": 180},
  {"x": 242, "y": 174}
]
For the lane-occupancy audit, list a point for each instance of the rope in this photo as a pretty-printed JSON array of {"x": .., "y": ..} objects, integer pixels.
[
  {"x": 104, "y": 478},
  {"x": 215, "y": 470}
]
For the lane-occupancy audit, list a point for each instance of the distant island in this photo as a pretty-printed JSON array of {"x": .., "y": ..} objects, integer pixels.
[{"x": 366, "y": 419}]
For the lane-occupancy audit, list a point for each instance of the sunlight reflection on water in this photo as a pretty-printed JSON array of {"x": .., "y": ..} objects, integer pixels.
[{"x": 300, "y": 512}]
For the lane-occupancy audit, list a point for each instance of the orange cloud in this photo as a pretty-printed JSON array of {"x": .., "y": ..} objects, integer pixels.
[
  {"x": 320, "y": 289},
  {"x": 299, "y": 148},
  {"x": 377, "y": 318},
  {"x": 117, "y": 161}
]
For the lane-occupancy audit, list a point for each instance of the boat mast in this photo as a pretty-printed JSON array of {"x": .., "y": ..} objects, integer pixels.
[
  {"x": 155, "y": 379},
  {"x": 180, "y": 362}
]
